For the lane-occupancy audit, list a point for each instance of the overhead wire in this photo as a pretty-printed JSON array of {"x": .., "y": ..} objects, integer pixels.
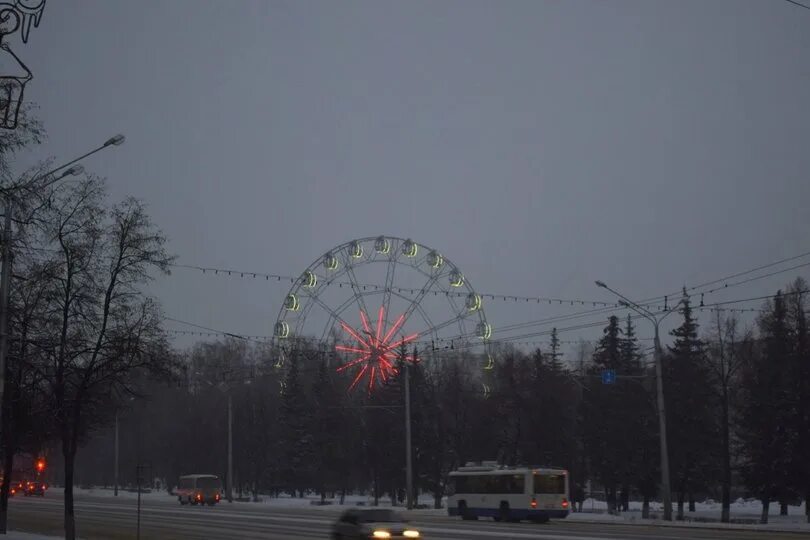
[
  {"x": 700, "y": 288},
  {"x": 797, "y": 3},
  {"x": 607, "y": 308}
]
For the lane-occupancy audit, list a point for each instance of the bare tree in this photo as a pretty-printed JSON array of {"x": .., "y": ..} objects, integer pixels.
[
  {"x": 104, "y": 330},
  {"x": 25, "y": 424},
  {"x": 724, "y": 361}
]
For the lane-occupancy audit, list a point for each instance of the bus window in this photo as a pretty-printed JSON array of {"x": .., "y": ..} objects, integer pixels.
[
  {"x": 206, "y": 482},
  {"x": 549, "y": 483},
  {"x": 497, "y": 483}
]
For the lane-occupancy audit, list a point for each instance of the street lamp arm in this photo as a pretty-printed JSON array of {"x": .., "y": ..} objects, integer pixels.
[
  {"x": 31, "y": 182},
  {"x": 629, "y": 303},
  {"x": 643, "y": 312}
]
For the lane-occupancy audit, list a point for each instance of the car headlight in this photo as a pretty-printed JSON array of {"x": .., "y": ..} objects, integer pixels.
[
  {"x": 410, "y": 533},
  {"x": 381, "y": 534}
]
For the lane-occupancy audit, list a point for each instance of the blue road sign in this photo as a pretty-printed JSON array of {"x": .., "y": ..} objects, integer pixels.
[{"x": 609, "y": 376}]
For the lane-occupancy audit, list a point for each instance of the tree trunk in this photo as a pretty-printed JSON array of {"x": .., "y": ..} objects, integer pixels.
[
  {"x": 8, "y": 465},
  {"x": 626, "y": 499},
  {"x": 680, "y": 506},
  {"x": 70, "y": 517},
  {"x": 807, "y": 505},
  {"x": 437, "y": 500},
  {"x": 610, "y": 495},
  {"x": 783, "y": 508},
  {"x": 766, "y": 503},
  {"x": 725, "y": 513},
  {"x": 691, "y": 503},
  {"x": 645, "y": 508},
  {"x": 342, "y": 496}
]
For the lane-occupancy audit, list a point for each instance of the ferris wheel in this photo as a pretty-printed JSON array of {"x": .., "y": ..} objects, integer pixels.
[{"x": 372, "y": 298}]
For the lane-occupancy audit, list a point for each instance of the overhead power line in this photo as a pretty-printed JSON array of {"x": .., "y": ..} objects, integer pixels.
[
  {"x": 242, "y": 274},
  {"x": 795, "y": 3},
  {"x": 703, "y": 289}
]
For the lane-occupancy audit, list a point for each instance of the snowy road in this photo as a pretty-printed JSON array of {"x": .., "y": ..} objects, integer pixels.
[{"x": 104, "y": 517}]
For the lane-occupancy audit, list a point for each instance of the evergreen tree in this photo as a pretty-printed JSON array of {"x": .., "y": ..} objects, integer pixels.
[
  {"x": 800, "y": 376},
  {"x": 638, "y": 404},
  {"x": 296, "y": 438},
  {"x": 764, "y": 429},
  {"x": 328, "y": 432},
  {"x": 554, "y": 356},
  {"x": 608, "y": 442},
  {"x": 691, "y": 425}
]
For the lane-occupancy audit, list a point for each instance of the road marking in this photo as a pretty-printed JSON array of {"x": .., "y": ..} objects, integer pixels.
[{"x": 509, "y": 533}]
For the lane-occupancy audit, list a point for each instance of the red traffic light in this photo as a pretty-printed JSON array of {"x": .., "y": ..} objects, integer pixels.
[{"x": 40, "y": 465}]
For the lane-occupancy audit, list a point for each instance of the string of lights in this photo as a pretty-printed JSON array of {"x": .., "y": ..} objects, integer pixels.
[
  {"x": 703, "y": 288},
  {"x": 463, "y": 340},
  {"x": 605, "y": 308},
  {"x": 402, "y": 290}
]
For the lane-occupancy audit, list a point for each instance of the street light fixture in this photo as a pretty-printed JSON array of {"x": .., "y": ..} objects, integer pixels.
[
  {"x": 75, "y": 170},
  {"x": 659, "y": 376},
  {"x": 116, "y": 140}
]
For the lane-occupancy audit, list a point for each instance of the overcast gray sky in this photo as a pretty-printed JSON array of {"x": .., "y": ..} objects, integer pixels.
[{"x": 538, "y": 144}]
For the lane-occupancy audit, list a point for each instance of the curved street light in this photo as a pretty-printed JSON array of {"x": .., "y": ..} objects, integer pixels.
[{"x": 666, "y": 493}]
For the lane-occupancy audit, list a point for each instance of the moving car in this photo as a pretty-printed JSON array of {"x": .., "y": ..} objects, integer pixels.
[
  {"x": 199, "y": 489},
  {"x": 35, "y": 489},
  {"x": 376, "y": 523},
  {"x": 16, "y": 487}
]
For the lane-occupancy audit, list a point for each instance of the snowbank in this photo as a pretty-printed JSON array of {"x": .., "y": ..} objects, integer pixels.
[{"x": 14, "y": 535}]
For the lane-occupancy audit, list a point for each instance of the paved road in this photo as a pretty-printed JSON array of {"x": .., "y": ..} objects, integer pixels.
[{"x": 108, "y": 518}]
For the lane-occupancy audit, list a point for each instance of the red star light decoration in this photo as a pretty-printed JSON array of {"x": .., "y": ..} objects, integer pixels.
[{"x": 376, "y": 354}]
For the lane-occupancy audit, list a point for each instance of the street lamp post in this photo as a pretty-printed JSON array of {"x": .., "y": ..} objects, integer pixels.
[
  {"x": 68, "y": 169},
  {"x": 659, "y": 376},
  {"x": 229, "y": 484},
  {"x": 115, "y": 472},
  {"x": 408, "y": 445}
]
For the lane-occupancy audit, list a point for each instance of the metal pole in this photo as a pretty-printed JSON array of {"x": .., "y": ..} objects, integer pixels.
[
  {"x": 5, "y": 291},
  {"x": 229, "y": 484},
  {"x": 138, "y": 479},
  {"x": 408, "y": 457},
  {"x": 666, "y": 494},
  {"x": 115, "y": 473}
]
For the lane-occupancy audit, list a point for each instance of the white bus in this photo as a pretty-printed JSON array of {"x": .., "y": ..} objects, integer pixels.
[
  {"x": 507, "y": 493},
  {"x": 199, "y": 489}
]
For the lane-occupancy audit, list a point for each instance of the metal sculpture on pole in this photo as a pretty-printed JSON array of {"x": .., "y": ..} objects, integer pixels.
[{"x": 14, "y": 74}]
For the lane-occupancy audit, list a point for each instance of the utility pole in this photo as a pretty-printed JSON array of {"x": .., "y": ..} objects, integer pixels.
[
  {"x": 408, "y": 456},
  {"x": 229, "y": 483},
  {"x": 662, "y": 431},
  {"x": 666, "y": 490},
  {"x": 115, "y": 473},
  {"x": 138, "y": 469},
  {"x": 5, "y": 290},
  {"x": 138, "y": 480}
]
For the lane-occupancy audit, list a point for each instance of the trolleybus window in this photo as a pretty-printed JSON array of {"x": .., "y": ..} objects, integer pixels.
[
  {"x": 501, "y": 483},
  {"x": 549, "y": 483}
]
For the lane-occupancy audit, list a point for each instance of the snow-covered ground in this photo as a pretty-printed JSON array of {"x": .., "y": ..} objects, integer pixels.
[
  {"x": 13, "y": 535},
  {"x": 707, "y": 514}
]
